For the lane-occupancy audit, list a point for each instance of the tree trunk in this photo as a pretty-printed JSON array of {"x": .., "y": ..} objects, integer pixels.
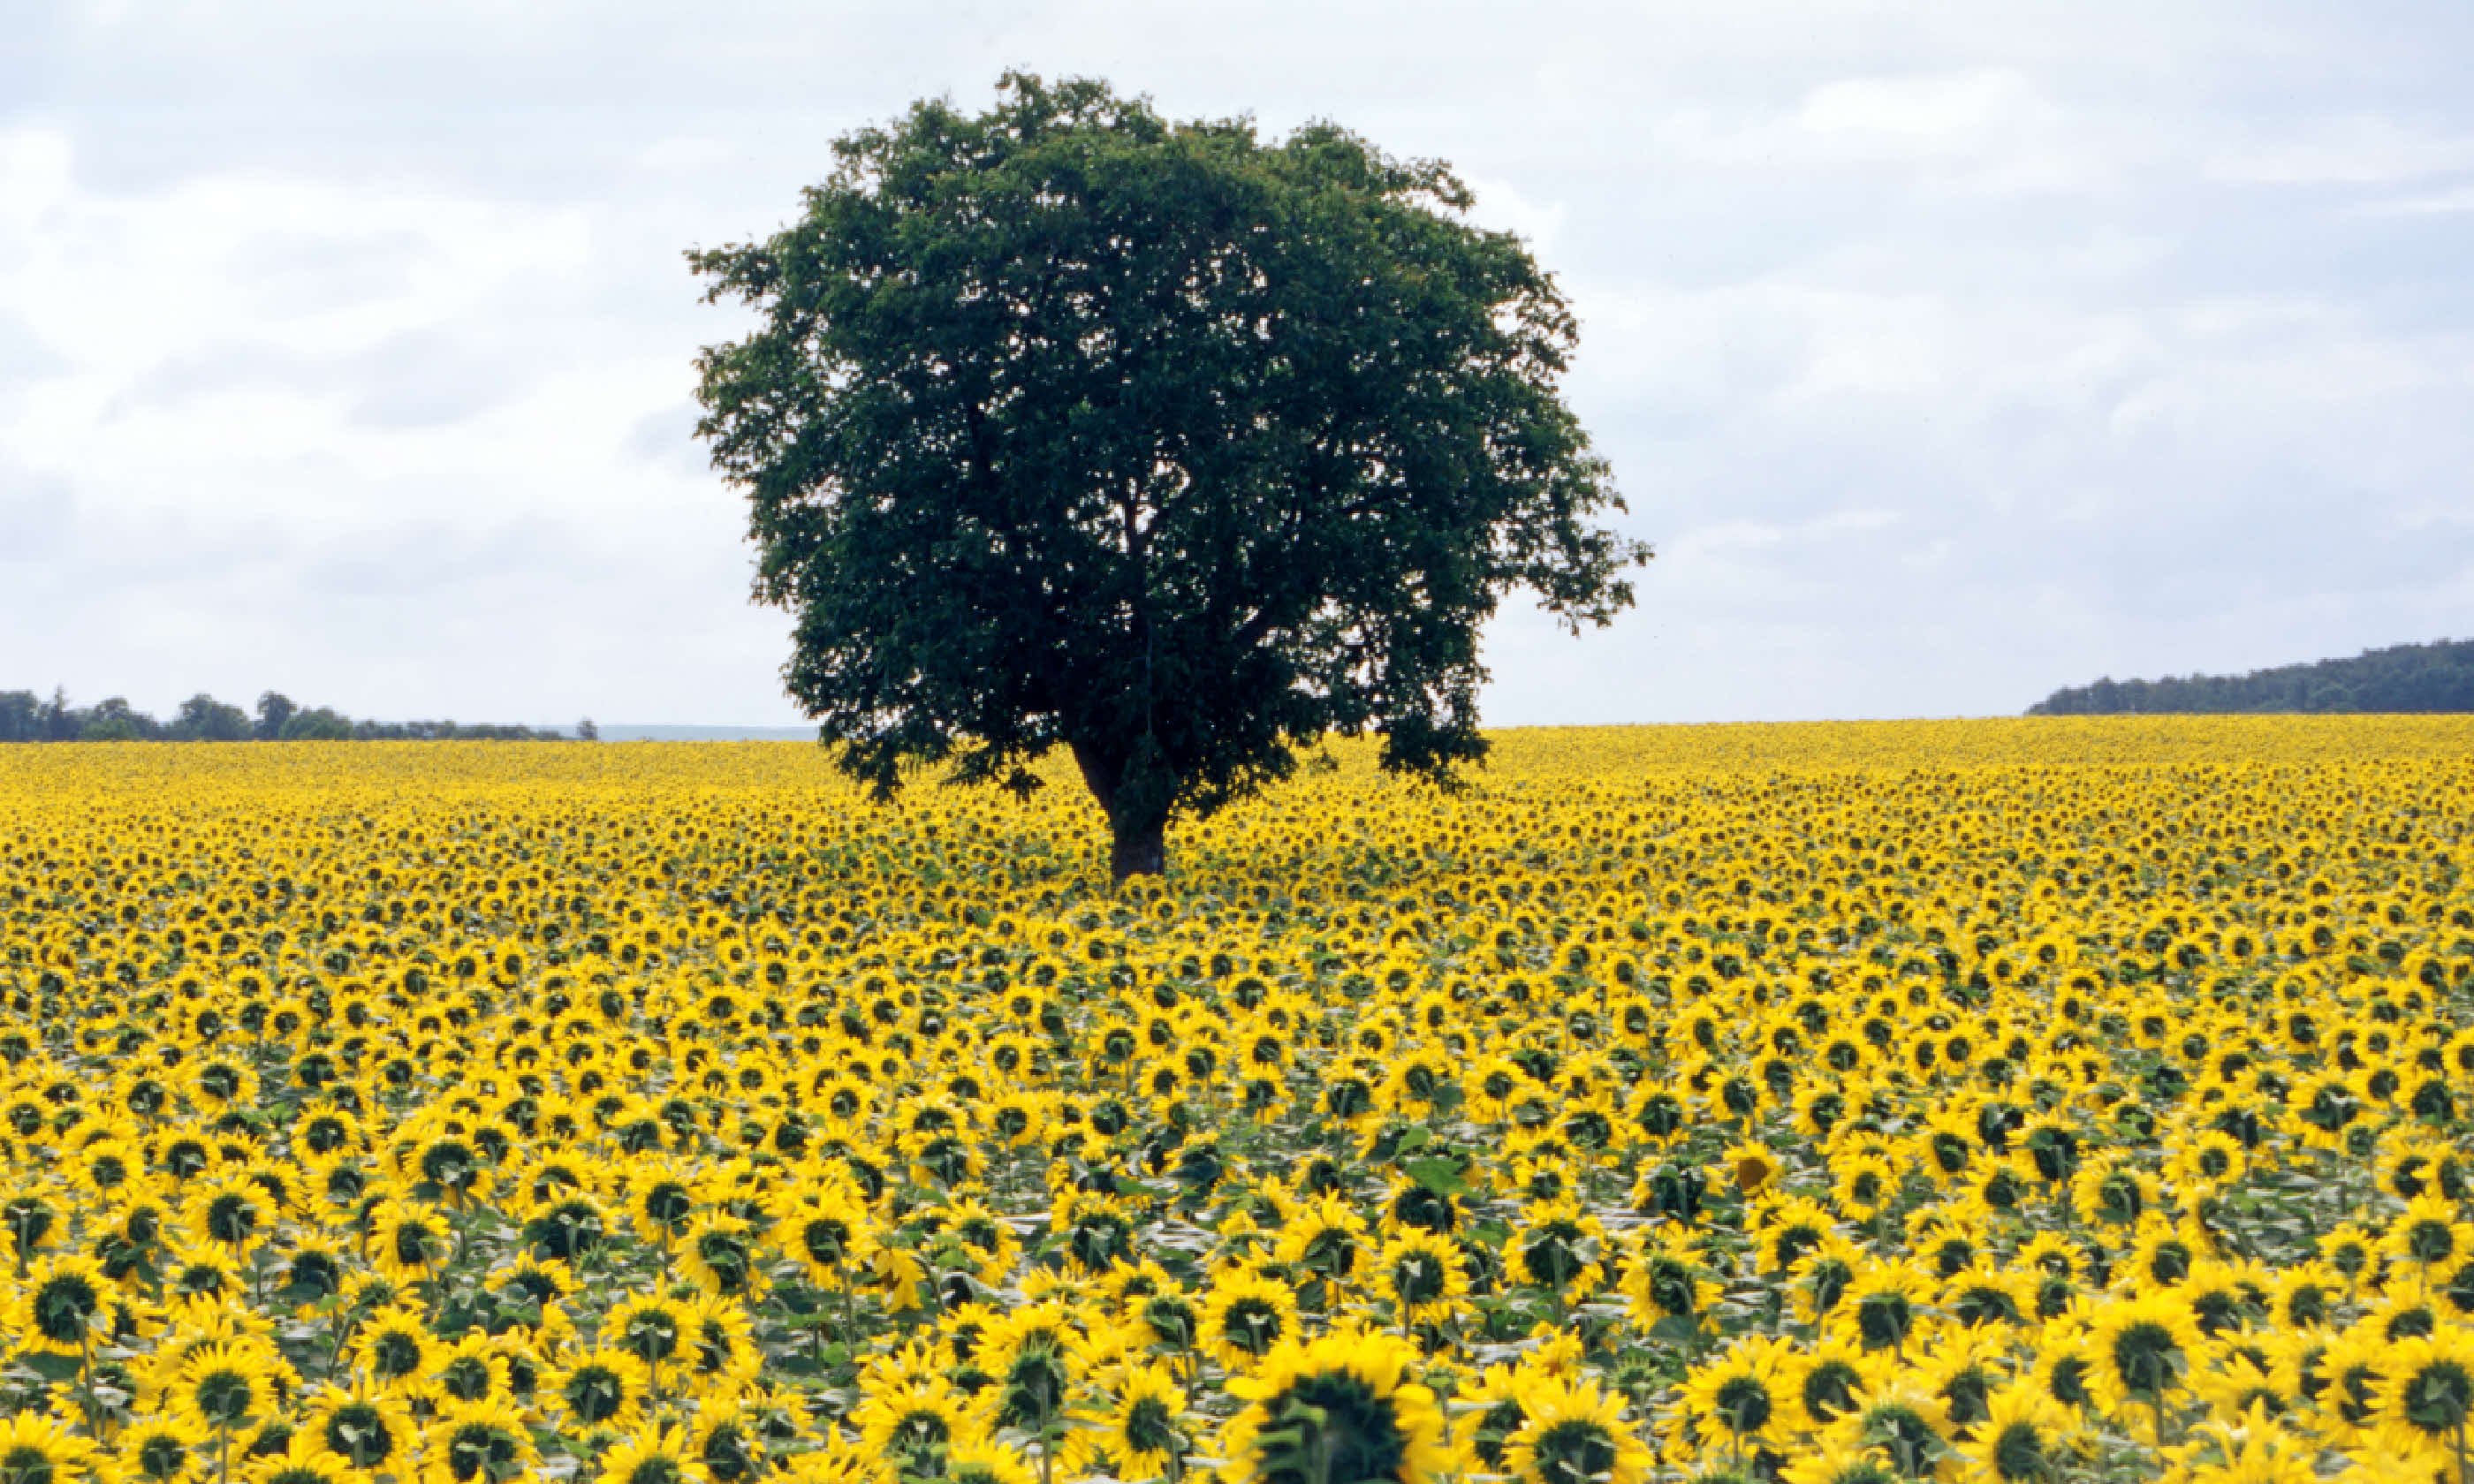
[
  {"x": 1138, "y": 849},
  {"x": 1138, "y": 836}
]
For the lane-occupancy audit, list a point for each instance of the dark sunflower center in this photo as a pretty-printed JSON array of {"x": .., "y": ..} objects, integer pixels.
[
  {"x": 2069, "y": 1383},
  {"x": 1495, "y": 1427},
  {"x": 2437, "y": 1396},
  {"x": 1150, "y": 1426},
  {"x": 1882, "y": 1319},
  {"x": 223, "y": 1398},
  {"x": 466, "y": 1379},
  {"x": 1574, "y": 1451},
  {"x": 160, "y": 1456},
  {"x": 395, "y": 1354},
  {"x": 2143, "y": 1357},
  {"x": 62, "y": 1306},
  {"x": 595, "y": 1394},
  {"x": 727, "y": 1455},
  {"x": 652, "y": 1336},
  {"x": 357, "y": 1431},
  {"x": 1418, "y": 1279},
  {"x": 2019, "y": 1453},
  {"x": 1252, "y": 1324},
  {"x": 1830, "y": 1389},
  {"x": 1336, "y": 1419},
  {"x": 231, "y": 1218},
  {"x": 27, "y": 1465}
]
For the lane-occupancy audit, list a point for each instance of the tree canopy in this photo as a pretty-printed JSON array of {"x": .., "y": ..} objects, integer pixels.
[{"x": 1065, "y": 424}]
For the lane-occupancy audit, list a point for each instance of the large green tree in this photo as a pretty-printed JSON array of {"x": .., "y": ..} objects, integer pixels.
[{"x": 1068, "y": 424}]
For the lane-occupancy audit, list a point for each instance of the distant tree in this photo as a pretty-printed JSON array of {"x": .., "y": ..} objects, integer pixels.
[
  {"x": 20, "y": 716},
  {"x": 318, "y": 724},
  {"x": 115, "y": 720},
  {"x": 2402, "y": 678},
  {"x": 586, "y": 731},
  {"x": 1069, "y": 425},
  {"x": 274, "y": 711},
  {"x": 60, "y": 722},
  {"x": 202, "y": 718}
]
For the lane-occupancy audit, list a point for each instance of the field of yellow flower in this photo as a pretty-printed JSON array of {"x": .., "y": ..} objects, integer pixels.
[{"x": 2044, "y": 1100}]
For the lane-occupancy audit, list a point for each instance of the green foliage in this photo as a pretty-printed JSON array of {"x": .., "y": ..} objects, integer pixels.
[
  {"x": 1068, "y": 425},
  {"x": 2402, "y": 678}
]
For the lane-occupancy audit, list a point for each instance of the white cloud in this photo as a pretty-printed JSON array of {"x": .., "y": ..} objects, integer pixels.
[
  {"x": 2443, "y": 203},
  {"x": 2363, "y": 150},
  {"x": 1989, "y": 130}
]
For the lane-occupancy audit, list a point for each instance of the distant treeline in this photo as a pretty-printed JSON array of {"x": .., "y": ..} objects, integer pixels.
[
  {"x": 2435, "y": 677},
  {"x": 24, "y": 717}
]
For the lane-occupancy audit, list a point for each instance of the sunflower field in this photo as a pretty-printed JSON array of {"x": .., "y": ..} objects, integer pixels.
[{"x": 2048, "y": 1100}]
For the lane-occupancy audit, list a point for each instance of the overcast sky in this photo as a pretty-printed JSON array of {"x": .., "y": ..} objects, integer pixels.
[{"x": 1948, "y": 352}]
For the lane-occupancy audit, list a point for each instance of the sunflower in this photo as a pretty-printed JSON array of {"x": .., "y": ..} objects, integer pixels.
[
  {"x": 1326, "y": 1239},
  {"x": 2428, "y": 1233},
  {"x": 720, "y": 1344},
  {"x": 1787, "y": 1231},
  {"x": 1829, "y": 1378},
  {"x": 39, "y": 1449},
  {"x": 2139, "y": 1350},
  {"x": 1899, "y": 1421},
  {"x": 1980, "y": 1297},
  {"x": 312, "y": 1271},
  {"x": 1423, "y": 1274},
  {"x": 160, "y": 1447},
  {"x": 1752, "y": 1167},
  {"x": 1339, "y": 1407},
  {"x": 1864, "y": 1186},
  {"x": 2236, "y": 1384},
  {"x": 200, "y": 1277},
  {"x": 728, "y": 1438},
  {"x": 1035, "y": 1354},
  {"x": 1826, "y": 1463},
  {"x": 601, "y": 1391},
  {"x": 1491, "y": 1414},
  {"x": 396, "y": 1348},
  {"x": 662, "y": 1201},
  {"x": 64, "y": 1301},
  {"x": 222, "y": 1388},
  {"x": 720, "y": 1253},
  {"x": 366, "y": 1425},
  {"x": 1575, "y": 1433},
  {"x": 109, "y": 1168},
  {"x": 646, "y": 1326},
  {"x": 1138, "y": 1430},
  {"x": 655, "y": 1453},
  {"x": 981, "y": 1240},
  {"x": 534, "y": 1283},
  {"x": 2426, "y": 1392},
  {"x": 1559, "y": 1248},
  {"x": 2023, "y": 1439},
  {"x": 912, "y": 1421},
  {"x": 1822, "y": 1274},
  {"x": 1667, "y": 1278},
  {"x": 975, "y": 1461},
  {"x": 1881, "y": 1306},
  {"x": 1245, "y": 1317},
  {"x": 407, "y": 1241},
  {"x": 472, "y": 1370},
  {"x": 1743, "y": 1398}
]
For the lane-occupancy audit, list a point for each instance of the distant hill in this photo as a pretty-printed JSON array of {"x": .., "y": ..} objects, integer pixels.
[{"x": 2435, "y": 677}]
